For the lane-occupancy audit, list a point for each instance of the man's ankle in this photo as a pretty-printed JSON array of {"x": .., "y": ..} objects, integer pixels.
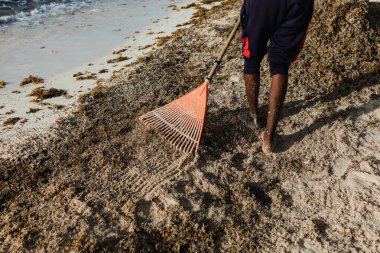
[{"x": 268, "y": 136}]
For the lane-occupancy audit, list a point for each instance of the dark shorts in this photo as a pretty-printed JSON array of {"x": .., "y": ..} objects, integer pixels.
[{"x": 282, "y": 22}]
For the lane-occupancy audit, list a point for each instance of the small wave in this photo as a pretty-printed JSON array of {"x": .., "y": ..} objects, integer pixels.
[{"x": 39, "y": 11}]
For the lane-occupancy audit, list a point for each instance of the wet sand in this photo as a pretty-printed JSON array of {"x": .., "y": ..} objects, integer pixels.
[{"x": 103, "y": 182}]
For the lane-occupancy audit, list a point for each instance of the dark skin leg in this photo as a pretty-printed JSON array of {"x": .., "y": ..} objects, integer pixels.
[
  {"x": 252, "y": 88},
  {"x": 277, "y": 95}
]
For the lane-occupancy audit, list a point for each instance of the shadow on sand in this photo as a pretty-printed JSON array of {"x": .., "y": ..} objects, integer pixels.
[{"x": 344, "y": 89}]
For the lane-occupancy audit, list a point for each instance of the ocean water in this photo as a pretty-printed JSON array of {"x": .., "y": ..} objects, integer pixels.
[
  {"x": 51, "y": 41},
  {"x": 16, "y": 10}
]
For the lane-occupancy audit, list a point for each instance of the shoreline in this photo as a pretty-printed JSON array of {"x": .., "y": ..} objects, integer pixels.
[
  {"x": 103, "y": 182},
  {"x": 17, "y": 103}
]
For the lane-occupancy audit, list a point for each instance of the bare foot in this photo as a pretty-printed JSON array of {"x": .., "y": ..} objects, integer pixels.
[
  {"x": 267, "y": 144},
  {"x": 250, "y": 120}
]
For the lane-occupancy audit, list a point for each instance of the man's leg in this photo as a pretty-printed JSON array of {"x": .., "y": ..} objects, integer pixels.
[
  {"x": 286, "y": 43},
  {"x": 277, "y": 95},
  {"x": 252, "y": 89},
  {"x": 255, "y": 35}
]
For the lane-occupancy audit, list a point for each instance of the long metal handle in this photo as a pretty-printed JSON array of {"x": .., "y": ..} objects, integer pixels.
[{"x": 219, "y": 60}]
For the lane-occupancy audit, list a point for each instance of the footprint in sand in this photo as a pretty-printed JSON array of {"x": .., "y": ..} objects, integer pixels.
[
  {"x": 340, "y": 166},
  {"x": 149, "y": 210},
  {"x": 369, "y": 143},
  {"x": 360, "y": 180}
]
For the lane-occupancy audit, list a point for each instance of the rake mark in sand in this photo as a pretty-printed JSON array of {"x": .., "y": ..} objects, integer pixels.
[{"x": 146, "y": 183}]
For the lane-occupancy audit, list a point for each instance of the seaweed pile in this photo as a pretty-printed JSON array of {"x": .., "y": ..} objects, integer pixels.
[{"x": 102, "y": 182}]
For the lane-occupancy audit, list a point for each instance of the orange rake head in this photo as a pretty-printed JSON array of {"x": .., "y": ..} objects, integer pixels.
[{"x": 181, "y": 121}]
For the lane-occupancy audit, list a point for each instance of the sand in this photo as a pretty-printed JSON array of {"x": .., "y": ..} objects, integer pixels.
[{"x": 102, "y": 182}]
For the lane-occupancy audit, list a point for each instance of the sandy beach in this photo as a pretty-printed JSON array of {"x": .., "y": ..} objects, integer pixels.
[{"x": 99, "y": 181}]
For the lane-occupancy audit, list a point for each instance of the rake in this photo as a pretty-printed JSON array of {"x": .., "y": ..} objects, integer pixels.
[{"x": 181, "y": 121}]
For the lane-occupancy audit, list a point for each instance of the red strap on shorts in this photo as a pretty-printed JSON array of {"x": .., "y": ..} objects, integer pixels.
[{"x": 246, "y": 51}]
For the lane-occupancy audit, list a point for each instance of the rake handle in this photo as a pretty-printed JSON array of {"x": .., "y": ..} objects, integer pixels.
[{"x": 219, "y": 60}]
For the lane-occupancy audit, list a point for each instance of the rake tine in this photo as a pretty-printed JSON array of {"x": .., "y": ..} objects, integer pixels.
[
  {"x": 178, "y": 119},
  {"x": 173, "y": 137},
  {"x": 200, "y": 128},
  {"x": 177, "y": 140},
  {"x": 194, "y": 129},
  {"x": 185, "y": 146},
  {"x": 187, "y": 130},
  {"x": 166, "y": 131},
  {"x": 170, "y": 118},
  {"x": 167, "y": 111},
  {"x": 181, "y": 146},
  {"x": 188, "y": 133},
  {"x": 163, "y": 125},
  {"x": 146, "y": 117},
  {"x": 151, "y": 116},
  {"x": 162, "y": 128},
  {"x": 194, "y": 144},
  {"x": 153, "y": 121},
  {"x": 189, "y": 147},
  {"x": 182, "y": 137},
  {"x": 171, "y": 134},
  {"x": 192, "y": 134},
  {"x": 159, "y": 120}
]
